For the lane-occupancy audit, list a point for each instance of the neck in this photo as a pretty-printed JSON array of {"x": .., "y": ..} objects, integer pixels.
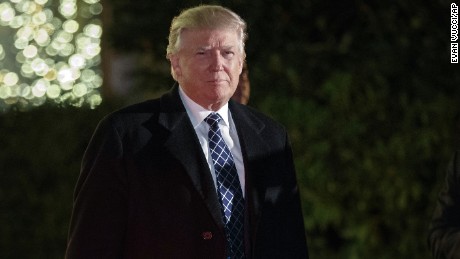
[{"x": 213, "y": 106}]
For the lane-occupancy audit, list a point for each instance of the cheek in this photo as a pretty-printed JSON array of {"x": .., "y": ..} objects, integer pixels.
[
  {"x": 237, "y": 70},
  {"x": 192, "y": 69}
]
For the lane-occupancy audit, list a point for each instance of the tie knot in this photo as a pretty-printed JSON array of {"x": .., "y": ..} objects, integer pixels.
[{"x": 213, "y": 119}]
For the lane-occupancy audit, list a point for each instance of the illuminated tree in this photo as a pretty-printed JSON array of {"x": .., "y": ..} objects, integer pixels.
[{"x": 49, "y": 52}]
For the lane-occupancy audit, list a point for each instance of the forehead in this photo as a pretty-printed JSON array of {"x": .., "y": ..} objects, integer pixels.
[{"x": 209, "y": 37}]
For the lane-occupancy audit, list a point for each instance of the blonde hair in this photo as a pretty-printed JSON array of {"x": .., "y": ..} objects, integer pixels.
[{"x": 205, "y": 17}]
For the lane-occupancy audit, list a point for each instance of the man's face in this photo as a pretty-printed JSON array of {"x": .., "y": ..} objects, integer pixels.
[{"x": 208, "y": 65}]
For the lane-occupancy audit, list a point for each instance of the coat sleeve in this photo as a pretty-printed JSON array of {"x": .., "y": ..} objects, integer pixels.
[
  {"x": 281, "y": 231},
  {"x": 293, "y": 217},
  {"x": 98, "y": 219},
  {"x": 294, "y": 232},
  {"x": 444, "y": 232}
]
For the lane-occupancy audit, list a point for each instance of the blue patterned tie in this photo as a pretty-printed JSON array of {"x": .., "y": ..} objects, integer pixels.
[{"x": 229, "y": 188}]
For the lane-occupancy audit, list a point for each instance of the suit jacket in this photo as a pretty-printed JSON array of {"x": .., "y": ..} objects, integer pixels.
[
  {"x": 444, "y": 233},
  {"x": 146, "y": 191}
]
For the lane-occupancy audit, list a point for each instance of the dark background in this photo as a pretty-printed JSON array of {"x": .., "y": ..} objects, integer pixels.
[{"x": 365, "y": 88}]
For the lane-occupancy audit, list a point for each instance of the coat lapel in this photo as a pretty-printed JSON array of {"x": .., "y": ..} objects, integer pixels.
[
  {"x": 184, "y": 145},
  {"x": 254, "y": 147}
]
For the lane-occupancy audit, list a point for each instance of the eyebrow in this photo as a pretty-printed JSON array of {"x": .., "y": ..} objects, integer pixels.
[{"x": 209, "y": 47}]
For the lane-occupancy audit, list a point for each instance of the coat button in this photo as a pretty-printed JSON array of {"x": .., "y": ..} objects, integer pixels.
[{"x": 207, "y": 235}]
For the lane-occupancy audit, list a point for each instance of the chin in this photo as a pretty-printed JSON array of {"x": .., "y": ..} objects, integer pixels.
[{"x": 222, "y": 95}]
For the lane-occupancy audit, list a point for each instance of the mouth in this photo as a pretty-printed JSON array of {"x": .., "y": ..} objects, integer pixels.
[{"x": 217, "y": 81}]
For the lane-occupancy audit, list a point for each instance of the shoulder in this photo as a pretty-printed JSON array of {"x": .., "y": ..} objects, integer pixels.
[
  {"x": 251, "y": 122},
  {"x": 132, "y": 116},
  {"x": 139, "y": 109},
  {"x": 256, "y": 117},
  {"x": 169, "y": 102},
  {"x": 129, "y": 128}
]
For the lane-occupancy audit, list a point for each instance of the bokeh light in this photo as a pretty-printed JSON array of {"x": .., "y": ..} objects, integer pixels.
[{"x": 50, "y": 52}]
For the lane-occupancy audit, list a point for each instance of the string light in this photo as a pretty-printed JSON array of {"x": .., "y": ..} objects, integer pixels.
[{"x": 50, "y": 52}]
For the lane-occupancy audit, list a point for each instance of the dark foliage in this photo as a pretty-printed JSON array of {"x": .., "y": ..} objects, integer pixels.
[{"x": 366, "y": 90}]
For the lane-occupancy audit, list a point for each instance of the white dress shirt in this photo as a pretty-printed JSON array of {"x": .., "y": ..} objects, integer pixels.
[{"x": 197, "y": 114}]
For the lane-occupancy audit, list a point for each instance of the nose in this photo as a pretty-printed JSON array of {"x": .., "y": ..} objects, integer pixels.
[{"x": 216, "y": 62}]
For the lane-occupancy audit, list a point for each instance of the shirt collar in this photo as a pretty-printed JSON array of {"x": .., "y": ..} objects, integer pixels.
[{"x": 197, "y": 113}]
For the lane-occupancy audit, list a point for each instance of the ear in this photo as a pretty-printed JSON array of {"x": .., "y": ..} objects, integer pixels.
[
  {"x": 175, "y": 65},
  {"x": 241, "y": 64}
]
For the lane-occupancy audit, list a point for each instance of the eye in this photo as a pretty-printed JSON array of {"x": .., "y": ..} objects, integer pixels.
[
  {"x": 228, "y": 53},
  {"x": 201, "y": 51}
]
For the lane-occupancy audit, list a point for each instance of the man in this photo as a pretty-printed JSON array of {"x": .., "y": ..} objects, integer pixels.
[
  {"x": 192, "y": 174},
  {"x": 444, "y": 234}
]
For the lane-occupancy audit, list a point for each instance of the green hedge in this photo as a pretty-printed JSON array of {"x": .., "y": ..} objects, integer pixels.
[{"x": 40, "y": 157}]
